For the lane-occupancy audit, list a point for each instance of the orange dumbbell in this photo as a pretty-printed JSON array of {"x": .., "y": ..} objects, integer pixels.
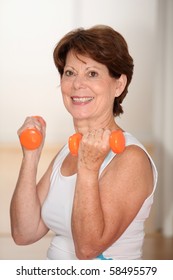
[
  {"x": 31, "y": 138},
  {"x": 73, "y": 143},
  {"x": 116, "y": 142}
]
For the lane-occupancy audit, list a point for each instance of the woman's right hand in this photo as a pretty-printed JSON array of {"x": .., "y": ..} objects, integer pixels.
[
  {"x": 94, "y": 146},
  {"x": 38, "y": 123}
]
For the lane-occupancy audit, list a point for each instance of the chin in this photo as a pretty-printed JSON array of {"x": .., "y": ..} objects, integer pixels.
[{"x": 79, "y": 115}]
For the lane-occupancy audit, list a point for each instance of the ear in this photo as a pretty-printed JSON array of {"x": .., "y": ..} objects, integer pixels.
[{"x": 120, "y": 85}]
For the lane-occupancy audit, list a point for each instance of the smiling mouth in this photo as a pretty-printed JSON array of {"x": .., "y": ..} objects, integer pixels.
[{"x": 80, "y": 100}]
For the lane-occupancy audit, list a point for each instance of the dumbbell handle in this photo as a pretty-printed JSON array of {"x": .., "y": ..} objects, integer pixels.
[
  {"x": 31, "y": 138},
  {"x": 116, "y": 142}
]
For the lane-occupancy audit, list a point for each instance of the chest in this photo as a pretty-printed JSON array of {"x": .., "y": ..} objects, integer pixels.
[{"x": 57, "y": 208}]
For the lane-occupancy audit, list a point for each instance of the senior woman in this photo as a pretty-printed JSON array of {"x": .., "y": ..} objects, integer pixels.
[{"x": 96, "y": 203}]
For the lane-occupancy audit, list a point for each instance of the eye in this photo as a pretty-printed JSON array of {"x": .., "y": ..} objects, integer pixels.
[
  {"x": 68, "y": 73},
  {"x": 93, "y": 74}
]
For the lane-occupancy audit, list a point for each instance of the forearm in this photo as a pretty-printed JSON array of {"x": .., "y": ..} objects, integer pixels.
[
  {"x": 25, "y": 205},
  {"x": 87, "y": 216}
]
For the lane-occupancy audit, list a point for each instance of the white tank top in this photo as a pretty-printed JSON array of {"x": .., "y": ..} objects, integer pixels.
[{"x": 57, "y": 209}]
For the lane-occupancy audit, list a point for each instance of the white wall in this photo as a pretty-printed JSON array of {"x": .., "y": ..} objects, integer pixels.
[{"x": 29, "y": 81}]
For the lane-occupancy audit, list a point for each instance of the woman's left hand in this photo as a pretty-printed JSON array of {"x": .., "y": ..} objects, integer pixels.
[{"x": 93, "y": 149}]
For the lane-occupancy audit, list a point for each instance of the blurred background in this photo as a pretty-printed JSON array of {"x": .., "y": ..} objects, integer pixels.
[{"x": 29, "y": 85}]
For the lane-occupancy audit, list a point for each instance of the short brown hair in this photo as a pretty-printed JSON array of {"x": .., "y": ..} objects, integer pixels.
[{"x": 104, "y": 45}]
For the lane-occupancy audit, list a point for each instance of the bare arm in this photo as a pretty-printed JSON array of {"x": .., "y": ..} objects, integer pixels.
[
  {"x": 103, "y": 208},
  {"x": 25, "y": 209}
]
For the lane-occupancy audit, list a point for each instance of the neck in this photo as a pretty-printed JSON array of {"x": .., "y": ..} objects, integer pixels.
[{"x": 84, "y": 126}]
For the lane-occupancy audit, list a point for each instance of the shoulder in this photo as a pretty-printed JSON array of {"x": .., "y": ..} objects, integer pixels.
[
  {"x": 134, "y": 154},
  {"x": 130, "y": 169},
  {"x": 133, "y": 157}
]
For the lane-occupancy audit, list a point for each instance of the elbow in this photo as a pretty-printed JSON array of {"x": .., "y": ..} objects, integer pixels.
[
  {"x": 86, "y": 253},
  {"x": 20, "y": 240}
]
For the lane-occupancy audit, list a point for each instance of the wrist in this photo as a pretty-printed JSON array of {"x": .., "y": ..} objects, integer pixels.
[
  {"x": 30, "y": 157},
  {"x": 86, "y": 171},
  {"x": 89, "y": 166}
]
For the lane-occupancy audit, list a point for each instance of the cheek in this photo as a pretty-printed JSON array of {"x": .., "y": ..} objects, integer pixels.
[
  {"x": 65, "y": 87},
  {"x": 105, "y": 92}
]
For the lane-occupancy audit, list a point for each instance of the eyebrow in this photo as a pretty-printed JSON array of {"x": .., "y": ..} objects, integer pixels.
[
  {"x": 96, "y": 67},
  {"x": 69, "y": 66}
]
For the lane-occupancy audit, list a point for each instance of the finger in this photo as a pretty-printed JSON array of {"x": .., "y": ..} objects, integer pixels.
[
  {"x": 32, "y": 122},
  {"x": 106, "y": 135},
  {"x": 40, "y": 119},
  {"x": 99, "y": 134},
  {"x": 89, "y": 136}
]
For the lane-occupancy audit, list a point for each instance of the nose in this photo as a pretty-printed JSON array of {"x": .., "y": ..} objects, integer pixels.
[{"x": 79, "y": 82}]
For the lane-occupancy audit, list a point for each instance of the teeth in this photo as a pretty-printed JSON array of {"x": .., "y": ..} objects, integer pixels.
[{"x": 82, "y": 99}]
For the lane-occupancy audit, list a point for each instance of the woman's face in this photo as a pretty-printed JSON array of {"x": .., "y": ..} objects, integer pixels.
[{"x": 87, "y": 88}]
